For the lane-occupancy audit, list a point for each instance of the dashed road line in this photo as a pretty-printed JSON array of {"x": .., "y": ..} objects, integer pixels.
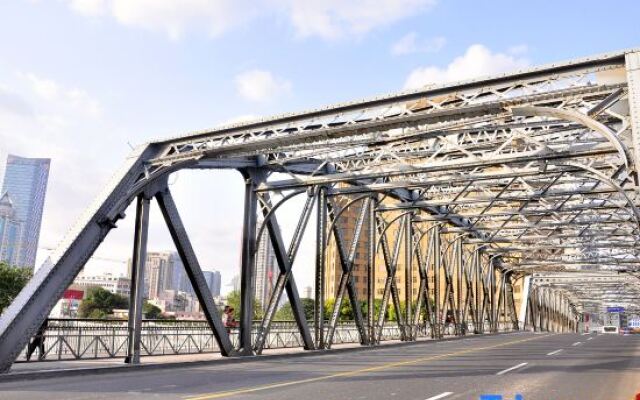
[
  {"x": 554, "y": 352},
  {"x": 440, "y": 396},
  {"x": 504, "y": 371}
]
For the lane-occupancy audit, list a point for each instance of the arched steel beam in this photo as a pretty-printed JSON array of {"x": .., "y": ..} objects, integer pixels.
[{"x": 572, "y": 115}]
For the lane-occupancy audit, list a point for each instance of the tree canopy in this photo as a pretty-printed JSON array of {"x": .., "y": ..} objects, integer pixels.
[
  {"x": 233, "y": 300},
  {"x": 285, "y": 313},
  {"x": 12, "y": 280},
  {"x": 151, "y": 311},
  {"x": 99, "y": 303}
]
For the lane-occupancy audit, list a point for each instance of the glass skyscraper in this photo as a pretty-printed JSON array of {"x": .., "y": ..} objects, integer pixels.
[
  {"x": 25, "y": 182},
  {"x": 10, "y": 230}
]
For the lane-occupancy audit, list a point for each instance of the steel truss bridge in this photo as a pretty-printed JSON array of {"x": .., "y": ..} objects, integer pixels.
[{"x": 477, "y": 184}]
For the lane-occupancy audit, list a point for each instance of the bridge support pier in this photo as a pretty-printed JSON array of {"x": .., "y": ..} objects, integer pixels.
[{"x": 137, "y": 280}]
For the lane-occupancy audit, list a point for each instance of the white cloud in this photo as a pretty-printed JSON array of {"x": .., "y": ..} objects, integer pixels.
[
  {"x": 328, "y": 19},
  {"x": 331, "y": 19},
  {"x": 45, "y": 88},
  {"x": 259, "y": 85},
  {"x": 12, "y": 104},
  {"x": 411, "y": 43},
  {"x": 477, "y": 61},
  {"x": 53, "y": 92},
  {"x": 174, "y": 18},
  {"x": 88, "y": 7}
]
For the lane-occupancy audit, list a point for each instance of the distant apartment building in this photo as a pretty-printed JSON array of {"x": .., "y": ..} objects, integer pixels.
[
  {"x": 308, "y": 292},
  {"x": 266, "y": 272},
  {"x": 115, "y": 284},
  {"x": 174, "y": 300},
  {"x": 10, "y": 231},
  {"x": 214, "y": 282},
  {"x": 347, "y": 224},
  {"x": 162, "y": 271},
  {"x": 25, "y": 182},
  {"x": 167, "y": 285}
]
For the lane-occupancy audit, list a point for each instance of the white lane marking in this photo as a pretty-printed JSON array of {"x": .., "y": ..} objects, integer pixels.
[
  {"x": 590, "y": 338},
  {"x": 440, "y": 396},
  {"x": 586, "y": 333},
  {"x": 511, "y": 369},
  {"x": 577, "y": 343},
  {"x": 555, "y": 352}
]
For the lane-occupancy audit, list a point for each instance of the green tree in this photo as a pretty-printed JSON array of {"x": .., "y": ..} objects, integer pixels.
[
  {"x": 233, "y": 300},
  {"x": 284, "y": 313},
  {"x": 308, "y": 305},
  {"x": 100, "y": 302},
  {"x": 151, "y": 311},
  {"x": 346, "y": 311},
  {"x": 12, "y": 280}
]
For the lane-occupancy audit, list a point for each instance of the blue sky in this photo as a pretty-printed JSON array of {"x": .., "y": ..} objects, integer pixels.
[{"x": 80, "y": 80}]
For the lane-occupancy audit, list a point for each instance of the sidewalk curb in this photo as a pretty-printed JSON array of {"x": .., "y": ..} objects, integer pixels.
[{"x": 59, "y": 373}]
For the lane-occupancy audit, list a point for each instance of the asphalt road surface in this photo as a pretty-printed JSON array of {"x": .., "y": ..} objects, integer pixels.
[{"x": 537, "y": 366}]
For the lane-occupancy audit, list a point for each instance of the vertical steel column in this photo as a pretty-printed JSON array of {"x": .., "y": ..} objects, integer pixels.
[
  {"x": 504, "y": 301},
  {"x": 499, "y": 285},
  {"x": 252, "y": 179},
  {"x": 515, "y": 325},
  {"x": 479, "y": 328},
  {"x": 408, "y": 277},
  {"x": 459, "y": 309},
  {"x": 492, "y": 297},
  {"x": 371, "y": 275},
  {"x": 436, "y": 281},
  {"x": 321, "y": 249},
  {"x": 137, "y": 280}
]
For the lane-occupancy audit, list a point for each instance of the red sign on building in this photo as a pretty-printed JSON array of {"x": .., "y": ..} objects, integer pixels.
[{"x": 72, "y": 294}]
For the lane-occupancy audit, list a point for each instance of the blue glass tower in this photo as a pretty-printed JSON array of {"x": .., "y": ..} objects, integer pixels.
[
  {"x": 10, "y": 230},
  {"x": 25, "y": 182}
]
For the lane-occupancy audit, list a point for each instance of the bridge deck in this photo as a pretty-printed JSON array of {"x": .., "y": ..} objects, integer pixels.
[{"x": 594, "y": 367}]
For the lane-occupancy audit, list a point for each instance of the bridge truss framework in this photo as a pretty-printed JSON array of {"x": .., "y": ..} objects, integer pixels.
[{"x": 480, "y": 183}]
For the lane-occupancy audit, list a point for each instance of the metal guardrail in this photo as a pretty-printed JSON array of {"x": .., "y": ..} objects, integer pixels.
[{"x": 77, "y": 339}]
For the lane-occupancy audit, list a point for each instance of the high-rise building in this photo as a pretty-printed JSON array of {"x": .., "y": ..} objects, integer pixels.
[
  {"x": 10, "y": 229},
  {"x": 214, "y": 282},
  {"x": 308, "y": 292},
  {"x": 161, "y": 268},
  {"x": 235, "y": 283},
  {"x": 25, "y": 180},
  {"x": 266, "y": 269},
  {"x": 179, "y": 279}
]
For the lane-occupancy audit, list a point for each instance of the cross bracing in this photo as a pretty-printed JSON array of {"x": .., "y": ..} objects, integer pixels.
[{"x": 472, "y": 186}]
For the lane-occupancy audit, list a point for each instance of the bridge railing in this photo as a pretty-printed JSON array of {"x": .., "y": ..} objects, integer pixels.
[{"x": 77, "y": 339}]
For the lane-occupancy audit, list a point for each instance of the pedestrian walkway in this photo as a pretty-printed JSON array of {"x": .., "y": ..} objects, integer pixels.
[{"x": 46, "y": 366}]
